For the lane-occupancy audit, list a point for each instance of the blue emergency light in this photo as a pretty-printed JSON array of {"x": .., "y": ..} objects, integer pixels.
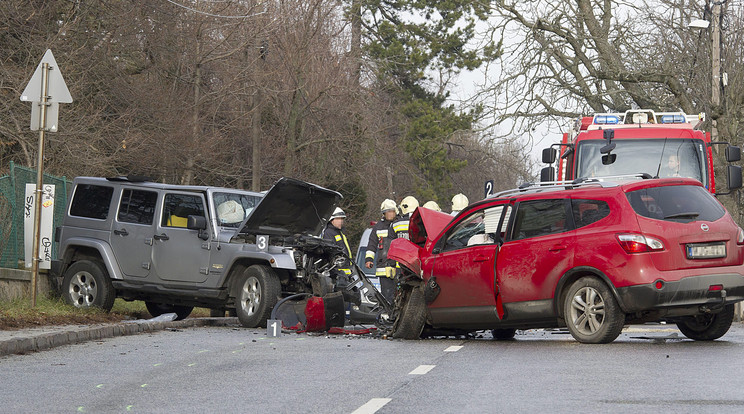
[
  {"x": 673, "y": 119},
  {"x": 606, "y": 119}
]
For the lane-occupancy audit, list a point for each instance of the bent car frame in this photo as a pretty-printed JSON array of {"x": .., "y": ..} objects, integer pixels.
[{"x": 591, "y": 255}]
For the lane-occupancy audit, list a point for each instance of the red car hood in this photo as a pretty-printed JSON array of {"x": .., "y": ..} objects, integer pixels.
[{"x": 424, "y": 225}]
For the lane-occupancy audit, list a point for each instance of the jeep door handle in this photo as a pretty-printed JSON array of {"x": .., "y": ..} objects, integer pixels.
[
  {"x": 122, "y": 232},
  {"x": 161, "y": 237},
  {"x": 480, "y": 258},
  {"x": 557, "y": 248}
]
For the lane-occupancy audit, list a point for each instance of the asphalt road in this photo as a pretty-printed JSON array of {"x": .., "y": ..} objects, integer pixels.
[{"x": 231, "y": 369}]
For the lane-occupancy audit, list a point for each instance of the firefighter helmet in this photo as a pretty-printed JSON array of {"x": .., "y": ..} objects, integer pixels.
[
  {"x": 432, "y": 205},
  {"x": 386, "y": 205},
  {"x": 408, "y": 205},
  {"x": 337, "y": 213},
  {"x": 459, "y": 202}
]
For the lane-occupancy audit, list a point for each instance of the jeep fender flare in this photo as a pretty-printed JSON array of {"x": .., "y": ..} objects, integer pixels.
[
  {"x": 575, "y": 274},
  {"x": 103, "y": 249}
]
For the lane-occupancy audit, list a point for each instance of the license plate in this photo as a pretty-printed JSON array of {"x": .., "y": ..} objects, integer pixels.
[{"x": 706, "y": 251}]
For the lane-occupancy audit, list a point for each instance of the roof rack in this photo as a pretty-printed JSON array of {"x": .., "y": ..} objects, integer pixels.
[
  {"x": 604, "y": 182},
  {"x": 130, "y": 178}
]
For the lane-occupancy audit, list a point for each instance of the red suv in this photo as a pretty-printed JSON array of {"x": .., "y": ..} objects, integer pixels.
[{"x": 591, "y": 255}]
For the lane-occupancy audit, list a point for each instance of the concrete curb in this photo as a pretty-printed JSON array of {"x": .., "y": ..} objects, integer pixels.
[{"x": 40, "y": 341}]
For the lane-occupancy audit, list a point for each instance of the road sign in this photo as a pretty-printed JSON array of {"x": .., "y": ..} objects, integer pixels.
[
  {"x": 57, "y": 91},
  {"x": 52, "y": 116},
  {"x": 488, "y": 188}
]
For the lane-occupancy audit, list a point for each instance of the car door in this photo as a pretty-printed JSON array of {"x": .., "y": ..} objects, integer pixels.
[
  {"x": 132, "y": 235},
  {"x": 178, "y": 254},
  {"x": 538, "y": 252},
  {"x": 464, "y": 268}
]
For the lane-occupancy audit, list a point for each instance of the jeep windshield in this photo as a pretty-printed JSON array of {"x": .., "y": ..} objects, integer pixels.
[
  {"x": 232, "y": 208},
  {"x": 679, "y": 203},
  {"x": 657, "y": 157}
]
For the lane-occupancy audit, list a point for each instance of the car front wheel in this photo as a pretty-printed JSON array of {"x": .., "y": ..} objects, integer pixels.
[
  {"x": 707, "y": 327},
  {"x": 592, "y": 313},
  {"x": 87, "y": 284},
  {"x": 412, "y": 316},
  {"x": 258, "y": 292}
]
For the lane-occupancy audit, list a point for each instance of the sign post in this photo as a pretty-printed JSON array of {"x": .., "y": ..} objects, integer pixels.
[{"x": 46, "y": 89}]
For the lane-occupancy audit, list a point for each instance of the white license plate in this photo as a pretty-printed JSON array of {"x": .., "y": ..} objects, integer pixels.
[{"x": 706, "y": 251}]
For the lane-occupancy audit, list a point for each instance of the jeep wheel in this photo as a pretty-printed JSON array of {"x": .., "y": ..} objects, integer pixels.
[
  {"x": 258, "y": 292},
  {"x": 412, "y": 316},
  {"x": 157, "y": 309},
  {"x": 709, "y": 326},
  {"x": 592, "y": 313},
  {"x": 86, "y": 284}
]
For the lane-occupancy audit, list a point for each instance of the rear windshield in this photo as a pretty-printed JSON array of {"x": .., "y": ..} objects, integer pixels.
[{"x": 680, "y": 203}]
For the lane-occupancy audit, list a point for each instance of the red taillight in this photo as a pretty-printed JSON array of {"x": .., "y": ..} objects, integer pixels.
[
  {"x": 638, "y": 243},
  {"x": 714, "y": 288}
]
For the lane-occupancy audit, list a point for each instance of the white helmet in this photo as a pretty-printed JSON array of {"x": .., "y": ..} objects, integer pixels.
[
  {"x": 408, "y": 205},
  {"x": 386, "y": 205},
  {"x": 459, "y": 202},
  {"x": 432, "y": 205},
  {"x": 337, "y": 213}
]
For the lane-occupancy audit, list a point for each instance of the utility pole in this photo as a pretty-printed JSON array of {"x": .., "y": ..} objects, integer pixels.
[{"x": 715, "y": 38}]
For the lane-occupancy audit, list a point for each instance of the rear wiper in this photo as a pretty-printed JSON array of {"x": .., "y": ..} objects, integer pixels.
[{"x": 691, "y": 214}]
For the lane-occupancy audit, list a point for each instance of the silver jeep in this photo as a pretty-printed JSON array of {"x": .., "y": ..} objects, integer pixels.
[{"x": 176, "y": 247}]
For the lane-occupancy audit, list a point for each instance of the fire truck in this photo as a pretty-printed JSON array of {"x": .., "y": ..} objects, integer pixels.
[{"x": 656, "y": 144}]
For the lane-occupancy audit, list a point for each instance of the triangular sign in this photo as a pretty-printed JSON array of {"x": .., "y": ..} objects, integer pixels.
[{"x": 57, "y": 89}]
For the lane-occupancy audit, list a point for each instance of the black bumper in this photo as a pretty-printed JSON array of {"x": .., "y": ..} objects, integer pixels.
[{"x": 687, "y": 292}]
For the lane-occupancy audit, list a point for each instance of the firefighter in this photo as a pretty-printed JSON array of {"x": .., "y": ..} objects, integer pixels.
[
  {"x": 432, "y": 205},
  {"x": 380, "y": 237},
  {"x": 334, "y": 232},
  {"x": 400, "y": 225},
  {"x": 459, "y": 202}
]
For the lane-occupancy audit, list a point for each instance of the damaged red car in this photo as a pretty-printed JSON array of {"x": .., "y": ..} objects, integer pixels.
[{"x": 591, "y": 256}]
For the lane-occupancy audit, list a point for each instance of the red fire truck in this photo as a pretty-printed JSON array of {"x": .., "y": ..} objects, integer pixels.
[{"x": 660, "y": 144}]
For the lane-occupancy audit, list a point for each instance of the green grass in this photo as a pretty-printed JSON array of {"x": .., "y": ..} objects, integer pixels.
[{"x": 18, "y": 313}]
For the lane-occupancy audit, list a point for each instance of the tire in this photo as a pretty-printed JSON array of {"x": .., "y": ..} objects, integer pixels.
[
  {"x": 86, "y": 284},
  {"x": 591, "y": 312},
  {"x": 410, "y": 322},
  {"x": 503, "y": 334},
  {"x": 258, "y": 291},
  {"x": 707, "y": 327},
  {"x": 157, "y": 309}
]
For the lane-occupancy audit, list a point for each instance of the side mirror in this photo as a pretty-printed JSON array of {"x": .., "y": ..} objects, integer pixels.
[
  {"x": 733, "y": 153},
  {"x": 547, "y": 174},
  {"x": 549, "y": 155},
  {"x": 198, "y": 223},
  {"x": 733, "y": 176},
  {"x": 609, "y": 159}
]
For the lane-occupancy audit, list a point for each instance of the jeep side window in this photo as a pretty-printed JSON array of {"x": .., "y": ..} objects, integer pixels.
[
  {"x": 540, "y": 218},
  {"x": 91, "y": 201},
  {"x": 177, "y": 208},
  {"x": 586, "y": 212},
  {"x": 137, "y": 206}
]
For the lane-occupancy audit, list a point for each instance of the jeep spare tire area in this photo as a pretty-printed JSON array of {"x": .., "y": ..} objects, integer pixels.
[
  {"x": 258, "y": 290},
  {"x": 709, "y": 326},
  {"x": 87, "y": 284},
  {"x": 412, "y": 316},
  {"x": 592, "y": 313},
  {"x": 157, "y": 309}
]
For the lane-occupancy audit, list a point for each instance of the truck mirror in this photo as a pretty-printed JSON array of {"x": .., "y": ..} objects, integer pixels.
[
  {"x": 549, "y": 155},
  {"x": 733, "y": 176},
  {"x": 609, "y": 159},
  {"x": 547, "y": 174},
  {"x": 733, "y": 153}
]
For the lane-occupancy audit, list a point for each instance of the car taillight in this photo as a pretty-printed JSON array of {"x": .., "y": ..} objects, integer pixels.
[
  {"x": 638, "y": 243},
  {"x": 740, "y": 237}
]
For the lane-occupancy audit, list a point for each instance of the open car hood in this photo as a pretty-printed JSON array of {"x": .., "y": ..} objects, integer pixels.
[
  {"x": 292, "y": 207},
  {"x": 427, "y": 224}
]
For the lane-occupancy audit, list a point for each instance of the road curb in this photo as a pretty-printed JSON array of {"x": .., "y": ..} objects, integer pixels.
[{"x": 75, "y": 335}]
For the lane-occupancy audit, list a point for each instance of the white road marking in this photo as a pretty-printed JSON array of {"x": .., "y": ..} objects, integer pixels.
[
  {"x": 422, "y": 369},
  {"x": 453, "y": 348},
  {"x": 372, "y": 406}
]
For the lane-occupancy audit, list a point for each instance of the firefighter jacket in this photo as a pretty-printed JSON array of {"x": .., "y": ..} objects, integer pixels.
[
  {"x": 339, "y": 238},
  {"x": 400, "y": 226},
  {"x": 380, "y": 237}
]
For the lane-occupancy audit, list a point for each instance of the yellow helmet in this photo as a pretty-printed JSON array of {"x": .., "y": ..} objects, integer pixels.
[
  {"x": 432, "y": 205},
  {"x": 459, "y": 202},
  {"x": 408, "y": 205}
]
